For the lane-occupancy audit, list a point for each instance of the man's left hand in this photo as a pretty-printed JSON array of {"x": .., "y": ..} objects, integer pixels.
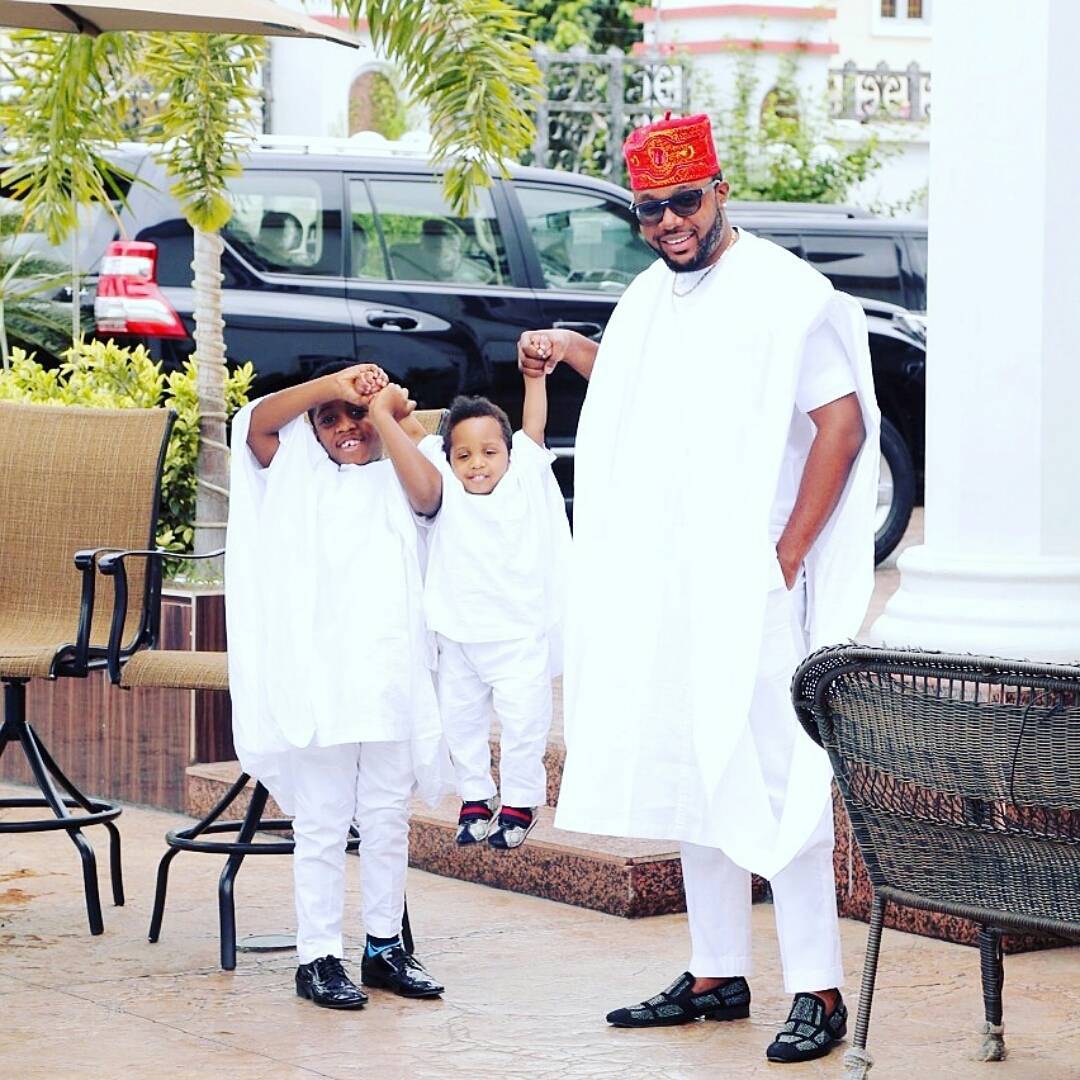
[{"x": 789, "y": 567}]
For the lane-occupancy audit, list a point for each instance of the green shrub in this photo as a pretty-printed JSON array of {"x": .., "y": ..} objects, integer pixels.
[{"x": 109, "y": 376}]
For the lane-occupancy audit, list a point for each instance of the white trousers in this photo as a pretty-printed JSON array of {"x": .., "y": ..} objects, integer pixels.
[
  {"x": 804, "y": 892},
  {"x": 514, "y": 677},
  {"x": 369, "y": 783}
]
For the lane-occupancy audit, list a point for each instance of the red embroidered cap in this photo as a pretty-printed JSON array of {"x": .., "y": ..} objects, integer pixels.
[{"x": 671, "y": 152}]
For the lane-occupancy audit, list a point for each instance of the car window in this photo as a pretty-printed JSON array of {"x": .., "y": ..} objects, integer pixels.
[
  {"x": 585, "y": 242},
  {"x": 790, "y": 241},
  {"x": 917, "y": 247},
  {"x": 367, "y": 259},
  {"x": 425, "y": 240},
  {"x": 861, "y": 265},
  {"x": 284, "y": 223}
]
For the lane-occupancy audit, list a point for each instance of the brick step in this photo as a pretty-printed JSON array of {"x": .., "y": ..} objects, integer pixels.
[{"x": 630, "y": 878}]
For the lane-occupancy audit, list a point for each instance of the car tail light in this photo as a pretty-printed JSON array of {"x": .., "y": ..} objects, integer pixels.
[{"x": 129, "y": 300}]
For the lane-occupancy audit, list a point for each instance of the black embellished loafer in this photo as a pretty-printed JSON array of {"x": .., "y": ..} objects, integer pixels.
[
  {"x": 324, "y": 981},
  {"x": 396, "y": 970},
  {"x": 808, "y": 1033},
  {"x": 678, "y": 1004}
]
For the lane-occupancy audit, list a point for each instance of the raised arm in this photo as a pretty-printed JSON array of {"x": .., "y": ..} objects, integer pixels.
[
  {"x": 355, "y": 384},
  {"x": 839, "y": 438},
  {"x": 534, "y": 413},
  {"x": 421, "y": 480},
  {"x": 539, "y": 351}
]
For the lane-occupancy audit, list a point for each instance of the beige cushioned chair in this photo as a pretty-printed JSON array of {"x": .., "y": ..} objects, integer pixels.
[{"x": 73, "y": 482}]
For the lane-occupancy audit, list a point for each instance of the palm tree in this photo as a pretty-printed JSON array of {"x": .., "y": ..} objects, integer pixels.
[
  {"x": 468, "y": 63},
  {"x": 60, "y": 115},
  {"x": 27, "y": 317},
  {"x": 206, "y": 88}
]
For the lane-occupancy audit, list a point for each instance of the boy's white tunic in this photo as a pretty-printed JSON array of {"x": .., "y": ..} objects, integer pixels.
[
  {"x": 497, "y": 563},
  {"x": 324, "y": 611},
  {"x": 679, "y": 450}
]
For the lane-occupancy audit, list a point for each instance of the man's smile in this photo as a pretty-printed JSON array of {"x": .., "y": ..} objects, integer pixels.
[{"x": 676, "y": 240}]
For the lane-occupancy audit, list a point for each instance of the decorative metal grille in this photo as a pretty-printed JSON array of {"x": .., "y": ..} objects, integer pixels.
[
  {"x": 592, "y": 101},
  {"x": 879, "y": 93}
]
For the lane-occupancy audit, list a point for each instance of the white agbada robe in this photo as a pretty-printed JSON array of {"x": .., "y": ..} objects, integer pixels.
[
  {"x": 498, "y": 563},
  {"x": 679, "y": 450},
  {"x": 324, "y": 611}
]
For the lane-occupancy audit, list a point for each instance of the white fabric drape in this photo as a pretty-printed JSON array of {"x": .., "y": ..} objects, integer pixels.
[
  {"x": 678, "y": 455},
  {"x": 324, "y": 611},
  {"x": 498, "y": 563}
]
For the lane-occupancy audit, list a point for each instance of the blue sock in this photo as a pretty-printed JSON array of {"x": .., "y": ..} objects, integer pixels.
[{"x": 376, "y": 945}]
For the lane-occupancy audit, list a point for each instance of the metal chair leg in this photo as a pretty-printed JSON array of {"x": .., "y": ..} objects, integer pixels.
[
  {"x": 31, "y": 748},
  {"x": 857, "y": 1059},
  {"x": 991, "y": 963},
  {"x": 162, "y": 886},
  {"x": 226, "y": 903},
  {"x": 160, "y": 891},
  {"x": 116, "y": 870}
]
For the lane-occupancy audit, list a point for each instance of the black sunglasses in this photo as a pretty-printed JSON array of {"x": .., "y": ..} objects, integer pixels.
[{"x": 682, "y": 203}]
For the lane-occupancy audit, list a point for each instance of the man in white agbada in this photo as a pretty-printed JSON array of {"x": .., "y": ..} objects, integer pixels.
[
  {"x": 329, "y": 661},
  {"x": 725, "y": 485}
]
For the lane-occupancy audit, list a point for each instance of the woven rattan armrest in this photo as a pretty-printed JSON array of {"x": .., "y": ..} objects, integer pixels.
[{"x": 112, "y": 565}]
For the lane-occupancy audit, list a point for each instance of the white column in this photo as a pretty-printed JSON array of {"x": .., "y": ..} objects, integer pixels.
[{"x": 1000, "y": 570}]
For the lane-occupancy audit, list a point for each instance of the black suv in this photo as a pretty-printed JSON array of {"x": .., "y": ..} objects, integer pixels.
[{"x": 333, "y": 255}]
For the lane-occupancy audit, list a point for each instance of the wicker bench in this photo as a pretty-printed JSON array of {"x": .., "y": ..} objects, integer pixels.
[{"x": 961, "y": 777}]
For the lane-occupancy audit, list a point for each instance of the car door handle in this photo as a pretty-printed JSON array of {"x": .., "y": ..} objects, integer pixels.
[
  {"x": 391, "y": 320},
  {"x": 588, "y": 329}
]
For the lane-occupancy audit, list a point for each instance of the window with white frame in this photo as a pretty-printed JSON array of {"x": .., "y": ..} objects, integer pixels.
[{"x": 901, "y": 16}]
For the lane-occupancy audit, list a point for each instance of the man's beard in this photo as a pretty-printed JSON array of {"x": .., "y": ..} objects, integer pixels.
[{"x": 706, "y": 248}]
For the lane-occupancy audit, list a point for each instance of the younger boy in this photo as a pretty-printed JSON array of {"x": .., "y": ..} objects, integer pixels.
[{"x": 493, "y": 595}]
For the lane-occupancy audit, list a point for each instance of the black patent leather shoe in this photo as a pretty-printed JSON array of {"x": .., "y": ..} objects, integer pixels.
[
  {"x": 396, "y": 970},
  {"x": 324, "y": 981},
  {"x": 678, "y": 1004}
]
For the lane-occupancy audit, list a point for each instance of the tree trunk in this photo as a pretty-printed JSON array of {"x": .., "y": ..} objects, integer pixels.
[
  {"x": 76, "y": 310},
  {"x": 212, "y": 502}
]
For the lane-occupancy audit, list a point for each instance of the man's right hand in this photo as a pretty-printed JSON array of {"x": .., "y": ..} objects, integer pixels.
[{"x": 539, "y": 351}]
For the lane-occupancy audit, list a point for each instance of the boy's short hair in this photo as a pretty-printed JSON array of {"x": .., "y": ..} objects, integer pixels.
[{"x": 471, "y": 408}]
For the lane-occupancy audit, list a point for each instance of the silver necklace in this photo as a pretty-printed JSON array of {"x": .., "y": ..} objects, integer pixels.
[{"x": 676, "y": 293}]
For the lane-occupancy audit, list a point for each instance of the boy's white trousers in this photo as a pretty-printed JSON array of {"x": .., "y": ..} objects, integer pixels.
[
  {"x": 369, "y": 783},
  {"x": 515, "y": 678},
  {"x": 804, "y": 892}
]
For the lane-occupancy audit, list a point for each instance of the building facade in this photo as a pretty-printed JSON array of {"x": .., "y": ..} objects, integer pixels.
[{"x": 864, "y": 65}]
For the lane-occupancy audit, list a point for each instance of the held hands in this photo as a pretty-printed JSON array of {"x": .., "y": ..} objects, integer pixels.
[
  {"x": 393, "y": 401},
  {"x": 539, "y": 351},
  {"x": 360, "y": 383}
]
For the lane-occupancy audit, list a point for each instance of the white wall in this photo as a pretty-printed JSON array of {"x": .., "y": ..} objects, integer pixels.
[
  {"x": 869, "y": 41},
  {"x": 310, "y": 83}
]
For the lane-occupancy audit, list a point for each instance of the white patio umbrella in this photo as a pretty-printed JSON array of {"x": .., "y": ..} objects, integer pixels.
[{"x": 93, "y": 17}]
